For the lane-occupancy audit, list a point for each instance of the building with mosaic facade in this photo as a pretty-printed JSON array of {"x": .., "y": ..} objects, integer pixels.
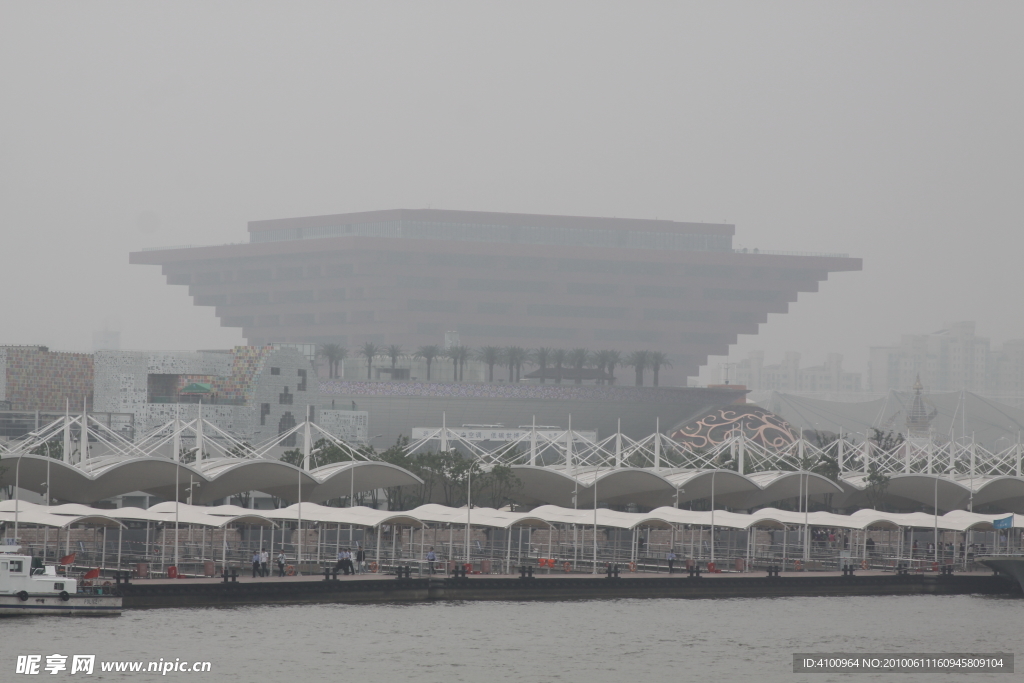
[
  {"x": 255, "y": 393},
  {"x": 35, "y": 378}
]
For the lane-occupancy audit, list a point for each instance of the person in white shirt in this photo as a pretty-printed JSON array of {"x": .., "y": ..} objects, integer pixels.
[
  {"x": 264, "y": 561},
  {"x": 280, "y": 563},
  {"x": 256, "y": 564}
]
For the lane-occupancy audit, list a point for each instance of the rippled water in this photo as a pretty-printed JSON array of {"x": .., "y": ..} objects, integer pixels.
[{"x": 531, "y": 642}]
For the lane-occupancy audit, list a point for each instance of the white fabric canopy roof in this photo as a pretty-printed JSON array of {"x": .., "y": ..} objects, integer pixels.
[{"x": 545, "y": 515}]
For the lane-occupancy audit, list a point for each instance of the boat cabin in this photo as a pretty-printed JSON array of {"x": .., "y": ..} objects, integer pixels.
[{"x": 17, "y": 574}]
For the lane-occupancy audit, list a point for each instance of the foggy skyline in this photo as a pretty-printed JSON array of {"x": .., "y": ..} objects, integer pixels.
[{"x": 889, "y": 132}]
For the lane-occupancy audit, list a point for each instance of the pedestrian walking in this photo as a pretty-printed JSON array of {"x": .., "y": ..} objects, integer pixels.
[
  {"x": 340, "y": 565},
  {"x": 256, "y": 564},
  {"x": 360, "y": 560},
  {"x": 431, "y": 559},
  {"x": 671, "y": 557},
  {"x": 264, "y": 562},
  {"x": 280, "y": 564}
]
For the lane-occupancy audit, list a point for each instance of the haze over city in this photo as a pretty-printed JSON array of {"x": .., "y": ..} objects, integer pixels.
[{"x": 889, "y": 132}]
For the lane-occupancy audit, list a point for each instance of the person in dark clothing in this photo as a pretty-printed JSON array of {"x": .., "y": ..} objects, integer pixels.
[{"x": 256, "y": 564}]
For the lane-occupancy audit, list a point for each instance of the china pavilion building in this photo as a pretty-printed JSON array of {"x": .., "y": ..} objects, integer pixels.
[{"x": 408, "y": 277}]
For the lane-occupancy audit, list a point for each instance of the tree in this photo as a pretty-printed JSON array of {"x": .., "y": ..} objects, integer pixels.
[
  {"x": 612, "y": 359},
  {"x": 428, "y": 353},
  {"x": 369, "y": 352},
  {"x": 402, "y": 497},
  {"x": 877, "y": 485},
  {"x": 53, "y": 449},
  {"x": 577, "y": 358},
  {"x": 514, "y": 357},
  {"x": 453, "y": 353},
  {"x": 658, "y": 360},
  {"x": 490, "y": 356},
  {"x": 394, "y": 352},
  {"x": 498, "y": 487},
  {"x": 639, "y": 361},
  {"x": 463, "y": 352},
  {"x": 599, "y": 359},
  {"x": 887, "y": 441},
  {"x": 334, "y": 354},
  {"x": 558, "y": 357},
  {"x": 453, "y": 472},
  {"x": 458, "y": 355},
  {"x": 541, "y": 357}
]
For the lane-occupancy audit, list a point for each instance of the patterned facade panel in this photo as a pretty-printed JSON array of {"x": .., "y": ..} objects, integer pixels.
[{"x": 35, "y": 378}]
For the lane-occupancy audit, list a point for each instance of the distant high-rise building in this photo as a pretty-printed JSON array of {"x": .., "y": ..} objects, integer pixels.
[
  {"x": 411, "y": 277},
  {"x": 789, "y": 377},
  {"x": 950, "y": 359}
]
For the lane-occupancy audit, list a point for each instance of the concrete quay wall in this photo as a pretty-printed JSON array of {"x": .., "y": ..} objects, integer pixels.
[{"x": 189, "y": 594}]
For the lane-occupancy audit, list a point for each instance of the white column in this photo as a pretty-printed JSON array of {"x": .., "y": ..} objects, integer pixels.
[
  {"x": 741, "y": 462},
  {"x": 444, "y": 433},
  {"x": 533, "y": 442},
  {"x": 842, "y": 451},
  {"x": 568, "y": 446},
  {"x": 307, "y": 442},
  {"x": 66, "y": 457},
  {"x": 618, "y": 444},
  {"x": 199, "y": 435},
  {"x": 83, "y": 448},
  {"x": 657, "y": 444}
]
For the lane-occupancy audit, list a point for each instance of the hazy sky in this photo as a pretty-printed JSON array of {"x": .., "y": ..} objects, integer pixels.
[{"x": 892, "y": 131}]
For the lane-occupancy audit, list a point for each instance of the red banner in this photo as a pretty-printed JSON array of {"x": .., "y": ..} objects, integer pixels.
[{"x": 68, "y": 559}]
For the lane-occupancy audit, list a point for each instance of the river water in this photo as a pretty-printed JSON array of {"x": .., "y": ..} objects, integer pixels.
[{"x": 530, "y": 642}]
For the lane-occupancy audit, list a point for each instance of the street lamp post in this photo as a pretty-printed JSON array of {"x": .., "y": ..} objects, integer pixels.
[
  {"x": 298, "y": 552},
  {"x": 935, "y": 511},
  {"x": 469, "y": 506},
  {"x": 595, "y": 522},
  {"x": 177, "y": 479},
  {"x": 17, "y": 495},
  {"x": 48, "y": 458}
]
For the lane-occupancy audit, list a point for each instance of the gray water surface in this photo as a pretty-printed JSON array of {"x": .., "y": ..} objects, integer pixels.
[{"x": 529, "y": 642}]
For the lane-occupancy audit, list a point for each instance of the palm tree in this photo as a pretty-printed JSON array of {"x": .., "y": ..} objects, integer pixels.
[
  {"x": 514, "y": 356},
  {"x": 558, "y": 357},
  {"x": 453, "y": 353},
  {"x": 459, "y": 355},
  {"x": 541, "y": 357},
  {"x": 639, "y": 361},
  {"x": 614, "y": 358},
  {"x": 394, "y": 352},
  {"x": 577, "y": 359},
  {"x": 428, "y": 353},
  {"x": 490, "y": 355},
  {"x": 599, "y": 359},
  {"x": 369, "y": 352},
  {"x": 658, "y": 360},
  {"x": 333, "y": 354},
  {"x": 463, "y": 354}
]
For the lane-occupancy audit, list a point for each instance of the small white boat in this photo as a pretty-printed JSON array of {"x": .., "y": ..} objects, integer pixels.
[{"x": 28, "y": 591}]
